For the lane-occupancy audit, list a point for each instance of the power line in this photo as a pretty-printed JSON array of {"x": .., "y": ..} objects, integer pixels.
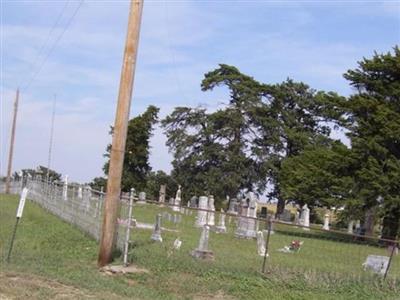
[
  {"x": 53, "y": 46},
  {"x": 40, "y": 52}
]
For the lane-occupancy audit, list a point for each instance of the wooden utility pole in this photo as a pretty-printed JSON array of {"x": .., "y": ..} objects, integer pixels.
[
  {"x": 10, "y": 154},
  {"x": 111, "y": 204}
]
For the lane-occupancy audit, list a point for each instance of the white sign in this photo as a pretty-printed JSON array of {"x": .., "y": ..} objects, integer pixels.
[{"x": 21, "y": 205}]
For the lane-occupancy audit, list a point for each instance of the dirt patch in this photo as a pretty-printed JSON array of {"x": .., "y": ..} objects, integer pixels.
[
  {"x": 218, "y": 296},
  {"x": 21, "y": 286},
  {"x": 131, "y": 269}
]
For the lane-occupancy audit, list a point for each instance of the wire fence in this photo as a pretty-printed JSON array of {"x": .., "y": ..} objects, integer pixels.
[{"x": 165, "y": 237}]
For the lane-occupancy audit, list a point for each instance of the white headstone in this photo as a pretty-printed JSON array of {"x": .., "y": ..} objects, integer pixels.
[
  {"x": 221, "y": 228},
  {"x": 178, "y": 199},
  {"x": 201, "y": 219},
  {"x": 233, "y": 206},
  {"x": 177, "y": 244},
  {"x": 297, "y": 218},
  {"x": 202, "y": 250},
  {"x": 65, "y": 188},
  {"x": 246, "y": 227},
  {"x": 378, "y": 264},
  {"x": 358, "y": 225},
  {"x": 142, "y": 197},
  {"x": 80, "y": 194},
  {"x": 350, "y": 227},
  {"x": 305, "y": 217},
  {"x": 161, "y": 198},
  {"x": 326, "y": 222},
  {"x": 211, "y": 215},
  {"x": 260, "y": 243},
  {"x": 156, "y": 236},
  {"x": 205, "y": 234}
]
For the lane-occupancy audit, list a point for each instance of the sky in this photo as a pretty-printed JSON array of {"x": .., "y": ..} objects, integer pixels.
[{"x": 72, "y": 51}]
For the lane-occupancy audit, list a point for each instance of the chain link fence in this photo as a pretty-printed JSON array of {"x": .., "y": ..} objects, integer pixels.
[{"x": 164, "y": 236}]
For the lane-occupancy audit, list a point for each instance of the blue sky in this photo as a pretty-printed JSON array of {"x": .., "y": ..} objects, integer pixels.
[{"x": 310, "y": 41}]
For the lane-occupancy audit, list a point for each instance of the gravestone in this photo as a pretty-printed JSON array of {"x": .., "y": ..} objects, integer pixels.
[
  {"x": 201, "y": 219},
  {"x": 286, "y": 216},
  {"x": 193, "y": 202},
  {"x": 305, "y": 217},
  {"x": 376, "y": 263},
  {"x": 350, "y": 227},
  {"x": 156, "y": 236},
  {"x": 163, "y": 189},
  {"x": 260, "y": 243},
  {"x": 80, "y": 194},
  {"x": 221, "y": 228},
  {"x": 65, "y": 188},
  {"x": 233, "y": 209},
  {"x": 246, "y": 224},
  {"x": 297, "y": 218},
  {"x": 358, "y": 225},
  {"x": 178, "y": 199},
  {"x": 226, "y": 202},
  {"x": 326, "y": 222},
  {"x": 142, "y": 198},
  {"x": 211, "y": 214},
  {"x": 177, "y": 244},
  {"x": 202, "y": 250}
]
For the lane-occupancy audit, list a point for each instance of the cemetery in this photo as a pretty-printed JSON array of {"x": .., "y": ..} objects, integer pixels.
[
  {"x": 169, "y": 242},
  {"x": 249, "y": 150}
]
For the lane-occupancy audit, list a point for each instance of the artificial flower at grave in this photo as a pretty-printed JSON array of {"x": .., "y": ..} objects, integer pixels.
[{"x": 294, "y": 247}]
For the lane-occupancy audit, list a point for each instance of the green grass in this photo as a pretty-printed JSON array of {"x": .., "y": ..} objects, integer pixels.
[{"x": 60, "y": 257}]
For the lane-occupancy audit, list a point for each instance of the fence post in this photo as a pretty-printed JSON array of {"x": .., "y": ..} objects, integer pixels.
[
  {"x": 128, "y": 228},
  {"x": 269, "y": 222},
  {"x": 395, "y": 244}
]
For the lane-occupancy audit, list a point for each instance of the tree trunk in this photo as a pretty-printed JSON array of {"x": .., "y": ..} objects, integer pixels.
[{"x": 280, "y": 207}]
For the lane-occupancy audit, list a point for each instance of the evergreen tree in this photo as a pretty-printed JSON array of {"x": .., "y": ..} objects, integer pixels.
[
  {"x": 374, "y": 123},
  {"x": 136, "y": 161},
  {"x": 215, "y": 152},
  {"x": 319, "y": 176},
  {"x": 293, "y": 117},
  {"x": 155, "y": 180}
]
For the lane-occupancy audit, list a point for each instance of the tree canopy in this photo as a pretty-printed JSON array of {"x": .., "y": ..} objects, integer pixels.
[
  {"x": 374, "y": 129},
  {"x": 136, "y": 161}
]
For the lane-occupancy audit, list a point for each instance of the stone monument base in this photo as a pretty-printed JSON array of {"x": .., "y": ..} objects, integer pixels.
[
  {"x": 203, "y": 254},
  {"x": 156, "y": 237},
  {"x": 219, "y": 229},
  {"x": 245, "y": 234}
]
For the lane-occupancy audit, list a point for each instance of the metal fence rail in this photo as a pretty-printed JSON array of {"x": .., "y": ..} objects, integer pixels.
[{"x": 234, "y": 244}]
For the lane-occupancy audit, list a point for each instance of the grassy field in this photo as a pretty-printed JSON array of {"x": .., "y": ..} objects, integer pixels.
[{"x": 54, "y": 260}]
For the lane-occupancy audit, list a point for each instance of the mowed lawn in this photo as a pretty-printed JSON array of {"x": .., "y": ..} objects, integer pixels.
[{"x": 54, "y": 260}]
